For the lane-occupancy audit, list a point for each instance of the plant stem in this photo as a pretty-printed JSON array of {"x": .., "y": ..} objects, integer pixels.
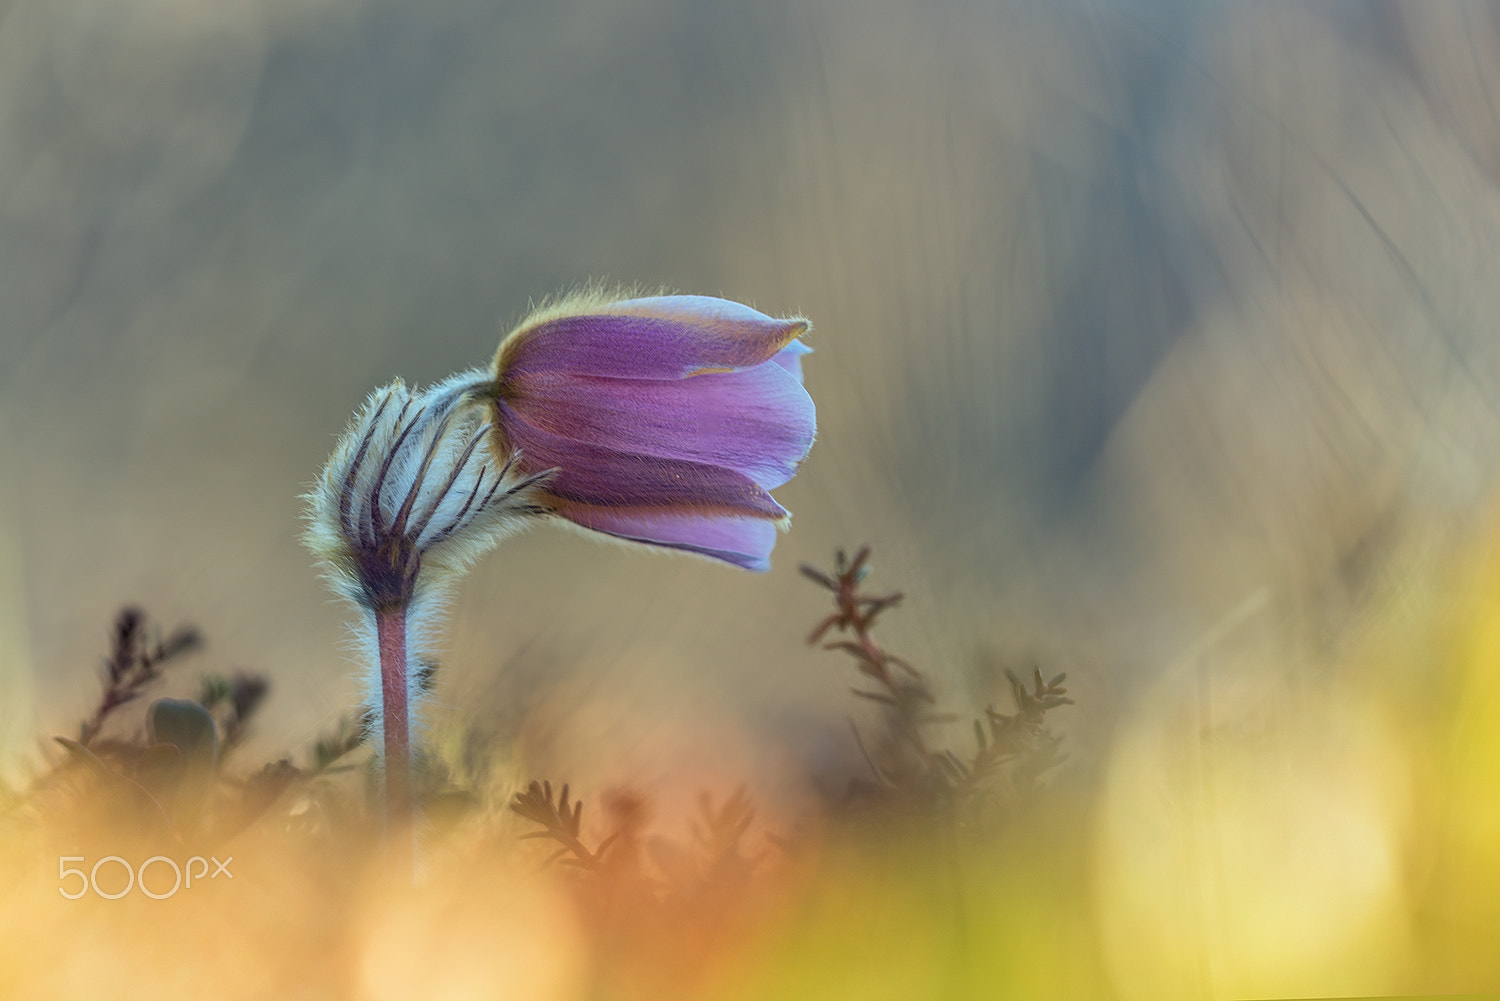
[{"x": 390, "y": 632}]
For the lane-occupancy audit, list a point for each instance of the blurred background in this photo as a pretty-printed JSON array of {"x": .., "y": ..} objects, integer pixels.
[{"x": 1155, "y": 342}]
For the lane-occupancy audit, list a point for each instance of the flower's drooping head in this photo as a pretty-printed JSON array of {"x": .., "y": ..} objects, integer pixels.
[
  {"x": 668, "y": 419},
  {"x": 408, "y": 497}
]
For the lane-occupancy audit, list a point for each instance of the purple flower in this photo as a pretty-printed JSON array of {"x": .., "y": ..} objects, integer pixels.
[{"x": 667, "y": 420}]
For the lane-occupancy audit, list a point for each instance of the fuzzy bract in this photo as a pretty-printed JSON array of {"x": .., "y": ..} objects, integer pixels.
[{"x": 408, "y": 498}]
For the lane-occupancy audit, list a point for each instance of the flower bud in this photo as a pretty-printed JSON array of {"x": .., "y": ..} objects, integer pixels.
[{"x": 668, "y": 420}]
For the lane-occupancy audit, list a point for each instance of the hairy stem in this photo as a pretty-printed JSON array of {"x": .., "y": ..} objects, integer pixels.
[{"x": 390, "y": 631}]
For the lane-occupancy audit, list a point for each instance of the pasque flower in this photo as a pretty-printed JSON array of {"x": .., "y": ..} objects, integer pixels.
[
  {"x": 668, "y": 420},
  {"x": 664, "y": 420},
  {"x": 407, "y": 501}
]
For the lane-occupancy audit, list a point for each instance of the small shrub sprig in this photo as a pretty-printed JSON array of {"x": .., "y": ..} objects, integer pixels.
[
  {"x": 717, "y": 832},
  {"x": 134, "y": 662},
  {"x": 233, "y": 701},
  {"x": 661, "y": 913},
  {"x": 561, "y": 823},
  {"x": 1012, "y": 750},
  {"x": 168, "y": 778}
]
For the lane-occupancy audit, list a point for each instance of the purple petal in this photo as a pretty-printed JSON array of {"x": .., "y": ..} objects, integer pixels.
[
  {"x": 596, "y": 475},
  {"x": 744, "y": 542},
  {"x": 757, "y": 421},
  {"x": 664, "y": 337},
  {"x": 790, "y": 358}
]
